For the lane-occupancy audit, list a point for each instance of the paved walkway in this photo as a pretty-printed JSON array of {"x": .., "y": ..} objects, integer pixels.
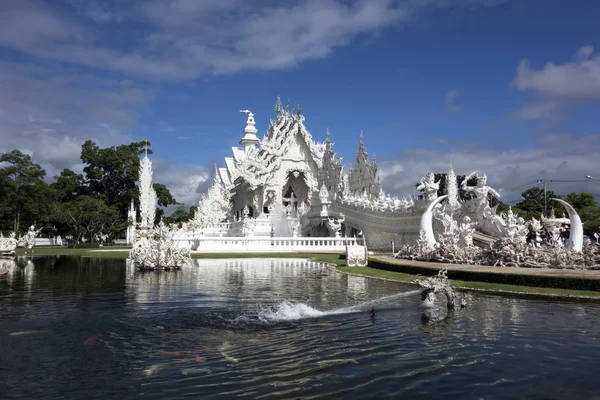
[{"x": 573, "y": 273}]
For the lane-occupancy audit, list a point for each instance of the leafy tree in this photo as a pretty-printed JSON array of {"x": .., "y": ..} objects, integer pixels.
[
  {"x": 533, "y": 202},
  {"x": 180, "y": 215},
  {"x": 87, "y": 216},
  {"x": 69, "y": 185},
  {"x": 22, "y": 190},
  {"x": 113, "y": 172},
  {"x": 581, "y": 200}
]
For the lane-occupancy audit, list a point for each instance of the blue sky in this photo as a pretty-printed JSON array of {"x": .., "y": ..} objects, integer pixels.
[{"x": 509, "y": 88}]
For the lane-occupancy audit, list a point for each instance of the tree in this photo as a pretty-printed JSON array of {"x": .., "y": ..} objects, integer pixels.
[
  {"x": 87, "y": 216},
  {"x": 22, "y": 188},
  {"x": 114, "y": 171},
  {"x": 533, "y": 202},
  {"x": 69, "y": 185},
  {"x": 581, "y": 200},
  {"x": 180, "y": 215}
]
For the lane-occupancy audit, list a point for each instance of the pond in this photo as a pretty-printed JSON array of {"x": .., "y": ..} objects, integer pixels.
[{"x": 277, "y": 328}]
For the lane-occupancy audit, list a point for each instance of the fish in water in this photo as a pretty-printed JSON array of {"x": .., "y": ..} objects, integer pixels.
[
  {"x": 225, "y": 347},
  {"x": 155, "y": 369},
  {"x": 23, "y": 333},
  {"x": 200, "y": 359},
  {"x": 172, "y": 353},
  {"x": 91, "y": 340}
]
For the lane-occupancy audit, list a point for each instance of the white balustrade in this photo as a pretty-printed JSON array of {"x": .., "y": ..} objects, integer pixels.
[{"x": 267, "y": 244}]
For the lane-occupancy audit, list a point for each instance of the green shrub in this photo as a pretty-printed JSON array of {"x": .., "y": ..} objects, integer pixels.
[{"x": 522, "y": 279}]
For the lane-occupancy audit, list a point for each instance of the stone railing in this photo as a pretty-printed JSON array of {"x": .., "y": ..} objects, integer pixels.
[{"x": 268, "y": 244}]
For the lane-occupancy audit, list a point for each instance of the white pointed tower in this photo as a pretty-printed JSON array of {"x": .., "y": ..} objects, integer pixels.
[
  {"x": 249, "y": 141},
  {"x": 148, "y": 199},
  {"x": 131, "y": 217}
]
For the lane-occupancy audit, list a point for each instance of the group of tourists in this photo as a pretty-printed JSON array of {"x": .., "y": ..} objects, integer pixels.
[{"x": 549, "y": 237}]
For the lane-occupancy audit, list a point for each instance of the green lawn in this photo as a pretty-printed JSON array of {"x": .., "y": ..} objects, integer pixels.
[{"x": 335, "y": 259}]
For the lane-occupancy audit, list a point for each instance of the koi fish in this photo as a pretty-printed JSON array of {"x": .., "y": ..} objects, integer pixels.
[
  {"x": 172, "y": 353},
  {"x": 91, "y": 340}
]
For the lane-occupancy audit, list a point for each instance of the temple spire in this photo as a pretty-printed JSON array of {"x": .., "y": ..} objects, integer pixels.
[{"x": 249, "y": 140}]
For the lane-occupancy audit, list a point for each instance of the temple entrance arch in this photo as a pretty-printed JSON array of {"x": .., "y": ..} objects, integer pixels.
[{"x": 295, "y": 192}]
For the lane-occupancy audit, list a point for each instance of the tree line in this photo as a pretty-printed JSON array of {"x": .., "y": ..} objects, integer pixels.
[
  {"x": 81, "y": 205},
  {"x": 532, "y": 204}
]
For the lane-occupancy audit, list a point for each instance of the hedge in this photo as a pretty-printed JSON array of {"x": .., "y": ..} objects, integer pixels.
[{"x": 556, "y": 282}]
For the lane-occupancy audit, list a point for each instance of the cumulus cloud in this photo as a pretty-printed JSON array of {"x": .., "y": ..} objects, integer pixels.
[
  {"x": 49, "y": 113},
  {"x": 186, "y": 182},
  {"x": 510, "y": 172},
  {"x": 554, "y": 85},
  {"x": 184, "y": 39}
]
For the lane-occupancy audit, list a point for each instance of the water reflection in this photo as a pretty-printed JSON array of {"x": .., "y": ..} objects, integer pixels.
[{"x": 79, "y": 328}]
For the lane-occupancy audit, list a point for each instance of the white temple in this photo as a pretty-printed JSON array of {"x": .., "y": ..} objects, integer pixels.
[
  {"x": 288, "y": 185},
  {"x": 286, "y": 192}
]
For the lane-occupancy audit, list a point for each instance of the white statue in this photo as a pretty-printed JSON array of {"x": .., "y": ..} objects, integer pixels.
[
  {"x": 29, "y": 238},
  {"x": 429, "y": 187},
  {"x": 8, "y": 245},
  {"x": 434, "y": 285},
  {"x": 335, "y": 225},
  {"x": 481, "y": 191},
  {"x": 159, "y": 250},
  {"x": 466, "y": 230},
  {"x": 357, "y": 256}
]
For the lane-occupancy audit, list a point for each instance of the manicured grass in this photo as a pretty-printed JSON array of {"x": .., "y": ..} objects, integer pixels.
[
  {"x": 119, "y": 252},
  {"x": 483, "y": 286}
]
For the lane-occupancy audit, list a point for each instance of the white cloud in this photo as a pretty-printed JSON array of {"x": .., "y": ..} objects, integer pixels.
[
  {"x": 579, "y": 79},
  {"x": 450, "y": 101},
  {"x": 537, "y": 110},
  {"x": 556, "y": 157},
  {"x": 186, "y": 182},
  {"x": 558, "y": 84},
  {"x": 50, "y": 113},
  {"x": 184, "y": 39}
]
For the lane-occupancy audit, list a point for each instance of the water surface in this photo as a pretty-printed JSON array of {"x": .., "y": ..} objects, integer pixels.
[{"x": 261, "y": 328}]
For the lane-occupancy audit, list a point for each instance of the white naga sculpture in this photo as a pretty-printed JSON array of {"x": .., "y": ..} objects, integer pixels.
[
  {"x": 8, "y": 245},
  {"x": 159, "y": 250},
  {"x": 435, "y": 285}
]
